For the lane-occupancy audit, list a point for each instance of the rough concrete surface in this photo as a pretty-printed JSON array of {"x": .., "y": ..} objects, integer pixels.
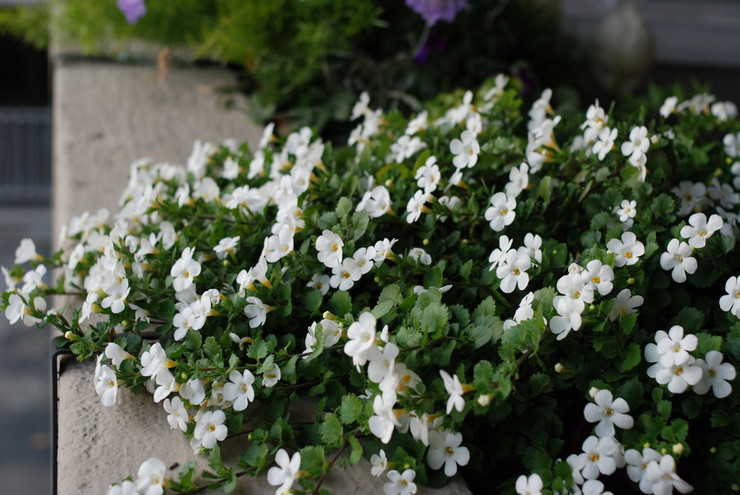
[{"x": 105, "y": 117}]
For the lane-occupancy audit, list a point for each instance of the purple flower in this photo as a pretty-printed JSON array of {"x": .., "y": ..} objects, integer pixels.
[
  {"x": 434, "y": 10},
  {"x": 133, "y": 10}
]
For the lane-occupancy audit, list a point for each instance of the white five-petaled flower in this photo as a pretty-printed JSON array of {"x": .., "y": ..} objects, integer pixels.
[
  {"x": 637, "y": 467},
  {"x": 106, "y": 385},
  {"x": 599, "y": 277},
  {"x": 455, "y": 389},
  {"x": 226, "y": 247},
  {"x": 184, "y": 270},
  {"x": 329, "y": 245},
  {"x": 285, "y": 473},
  {"x": 239, "y": 389},
  {"x": 627, "y": 251},
  {"x": 415, "y": 207},
  {"x": 210, "y": 428},
  {"x": 512, "y": 270},
  {"x": 177, "y": 415},
  {"x": 597, "y": 457},
  {"x": 730, "y": 302},
  {"x": 608, "y": 412},
  {"x": 663, "y": 476},
  {"x": 400, "y": 483},
  {"x": 501, "y": 212},
  {"x": 637, "y": 146},
  {"x": 384, "y": 421},
  {"x": 345, "y": 274},
  {"x": 700, "y": 229},
  {"x": 445, "y": 450},
  {"x": 678, "y": 259},
  {"x": 625, "y": 303},
  {"x": 465, "y": 149},
  {"x": 256, "y": 311},
  {"x": 428, "y": 175},
  {"x": 673, "y": 348},
  {"x": 531, "y": 485},
  {"x": 150, "y": 477},
  {"x": 361, "y": 341},
  {"x": 26, "y": 251},
  {"x": 626, "y": 211},
  {"x": 716, "y": 375},
  {"x": 605, "y": 142},
  {"x": 379, "y": 462}
]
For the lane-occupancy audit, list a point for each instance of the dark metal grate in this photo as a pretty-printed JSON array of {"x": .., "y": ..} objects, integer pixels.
[{"x": 25, "y": 155}]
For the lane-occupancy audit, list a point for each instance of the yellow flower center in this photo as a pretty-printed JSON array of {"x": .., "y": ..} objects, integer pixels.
[{"x": 628, "y": 254}]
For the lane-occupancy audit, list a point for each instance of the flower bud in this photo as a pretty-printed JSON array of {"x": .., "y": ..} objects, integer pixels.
[
  {"x": 425, "y": 242},
  {"x": 329, "y": 316},
  {"x": 630, "y": 281},
  {"x": 70, "y": 336},
  {"x": 560, "y": 368},
  {"x": 678, "y": 448},
  {"x": 484, "y": 400},
  {"x": 593, "y": 392}
]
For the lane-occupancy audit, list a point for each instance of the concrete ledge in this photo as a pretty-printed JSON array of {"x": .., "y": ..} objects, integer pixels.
[{"x": 105, "y": 117}]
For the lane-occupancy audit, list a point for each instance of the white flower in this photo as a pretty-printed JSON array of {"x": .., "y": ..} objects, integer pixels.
[
  {"x": 384, "y": 421},
  {"x": 382, "y": 363},
  {"x": 445, "y": 449},
  {"x": 512, "y": 271},
  {"x": 127, "y": 487},
  {"x": 729, "y": 302},
  {"x": 669, "y": 106},
  {"x": 345, "y": 274},
  {"x": 256, "y": 311},
  {"x": 279, "y": 245},
  {"x": 455, "y": 389},
  {"x": 626, "y": 210},
  {"x": 605, "y": 142},
  {"x": 226, "y": 246},
  {"x": 193, "y": 391},
  {"x": 498, "y": 254},
  {"x": 177, "y": 415},
  {"x": 258, "y": 273},
  {"x": 723, "y": 194},
  {"x": 361, "y": 341},
  {"x": 184, "y": 270},
  {"x": 627, "y": 251},
  {"x": 26, "y": 251},
  {"x": 568, "y": 317},
  {"x": 597, "y": 457},
  {"x": 405, "y": 147},
  {"x": 599, "y": 277},
  {"x": 383, "y": 250},
  {"x": 732, "y": 144},
  {"x": 529, "y": 486},
  {"x": 428, "y": 175},
  {"x": 361, "y": 106},
  {"x": 106, "y": 385},
  {"x": 700, "y": 229},
  {"x": 364, "y": 259},
  {"x": 678, "y": 259},
  {"x": 608, "y": 412},
  {"x": 417, "y": 124},
  {"x": 320, "y": 282},
  {"x": 518, "y": 180},
  {"x": 465, "y": 149},
  {"x": 716, "y": 375},
  {"x": 210, "y": 428},
  {"x": 329, "y": 245},
  {"x": 637, "y": 146},
  {"x": 693, "y": 196},
  {"x": 400, "y": 484},
  {"x": 532, "y": 245},
  {"x": 285, "y": 473},
  {"x": 501, "y": 212},
  {"x": 679, "y": 377},
  {"x": 379, "y": 462},
  {"x": 271, "y": 376},
  {"x": 239, "y": 389},
  {"x": 115, "y": 353},
  {"x": 150, "y": 477},
  {"x": 625, "y": 303},
  {"x": 376, "y": 202},
  {"x": 637, "y": 467},
  {"x": 664, "y": 478},
  {"x": 421, "y": 426},
  {"x": 415, "y": 207},
  {"x": 673, "y": 347},
  {"x": 594, "y": 487},
  {"x": 154, "y": 360},
  {"x": 421, "y": 256}
]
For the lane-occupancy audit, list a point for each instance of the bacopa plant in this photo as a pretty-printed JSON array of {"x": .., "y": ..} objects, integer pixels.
[{"x": 542, "y": 303}]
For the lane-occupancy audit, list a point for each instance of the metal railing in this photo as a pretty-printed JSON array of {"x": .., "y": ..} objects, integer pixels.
[{"x": 25, "y": 155}]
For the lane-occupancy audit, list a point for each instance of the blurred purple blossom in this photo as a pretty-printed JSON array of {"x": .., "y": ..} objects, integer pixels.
[
  {"x": 133, "y": 10},
  {"x": 434, "y": 10},
  {"x": 433, "y": 45}
]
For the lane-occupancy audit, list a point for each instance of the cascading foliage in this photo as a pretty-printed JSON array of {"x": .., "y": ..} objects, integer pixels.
[{"x": 545, "y": 303}]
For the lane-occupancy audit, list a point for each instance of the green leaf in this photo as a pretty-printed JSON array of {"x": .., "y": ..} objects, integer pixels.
[
  {"x": 689, "y": 318},
  {"x": 544, "y": 190},
  {"x": 627, "y": 321},
  {"x": 433, "y": 278},
  {"x": 215, "y": 462},
  {"x": 312, "y": 300},
  {"x": 288, "y": 371},
  {"x": 344, "y": 206},
  {"x": 360, "y": 221},
  {"x": 382, "y": 308},
  {"x": 266, "y": 364},
  {"x": 720, "y": 418},
  {"x": 434, "y": 318},
  {"x": 331, "y": 430},
  {"x": 193, "y": 341},
  {"x": 257, "y": 350},
  {"x": 211, "y": 348},
  {"x": 313, "y": 460},
  {"x": 350, "y": 409},
  {"x": 340, "y": 303},
  {"x": 664, "y": 409},
  {"x": 356, "y": 453},
  {"x": 708, "y": 343},
  {"x": 631, "y": 357}
]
